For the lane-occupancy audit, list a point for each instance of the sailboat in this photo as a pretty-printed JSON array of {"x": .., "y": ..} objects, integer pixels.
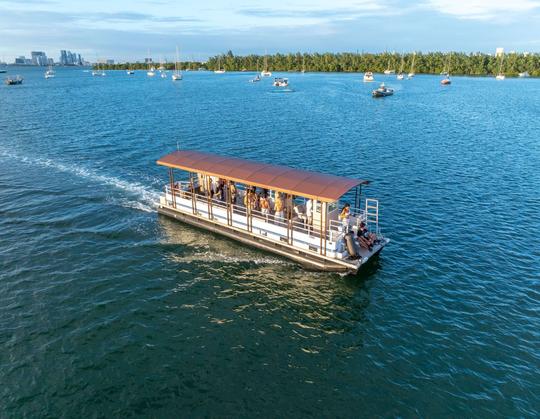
[
  {"x": 151, "y": 69},
  {"x": 400, "y": 75},
  {"x": 49, "y": 73},
  {"x": 177, "y": 75},
  {"x": 388, "y": 69},
  {"x": 411, "y": 73},
  {"x": 219, "y": 70},
  {"x": 98, "y": 72},
  {"x": 303, "y": 63},
  {"x": 265, "y": 72},
  {"x": 446, "y": 72},
  {"x": 501, "y": 75}
]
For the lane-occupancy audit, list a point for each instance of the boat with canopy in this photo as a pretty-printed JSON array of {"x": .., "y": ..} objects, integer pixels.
[{"x": 297, "y": 214}]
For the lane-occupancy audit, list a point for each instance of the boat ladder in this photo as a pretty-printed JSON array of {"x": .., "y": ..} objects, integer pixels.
[{"x": 372, "y": 214}]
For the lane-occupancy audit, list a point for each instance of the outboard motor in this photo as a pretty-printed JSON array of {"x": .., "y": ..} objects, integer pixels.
[{"x": 351, "y": 248}]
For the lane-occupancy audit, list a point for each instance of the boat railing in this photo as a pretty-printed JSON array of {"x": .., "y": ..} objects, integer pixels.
[
  {"x": 334, "y": 231},
  {"x": 296, "y": 225}
]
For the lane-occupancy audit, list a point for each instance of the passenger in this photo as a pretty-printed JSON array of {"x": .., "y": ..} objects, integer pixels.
[
  {"x": 278, "y": 208},
  {"x": 344, "y": 216},
  {"x": 309, "y": 212},
  {"x": 365, "y": 238},
  {"x": 265, "y": 207},
  {"x": 234, "y": 193}
]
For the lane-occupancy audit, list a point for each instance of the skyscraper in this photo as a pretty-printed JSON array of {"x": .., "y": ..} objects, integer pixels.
[{"x": 39, "y": 58}]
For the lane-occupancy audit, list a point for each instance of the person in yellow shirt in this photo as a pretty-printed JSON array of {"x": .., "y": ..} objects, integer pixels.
[
  {"x": 278, "y": 207},
  {"x": 344, "y": 216}
]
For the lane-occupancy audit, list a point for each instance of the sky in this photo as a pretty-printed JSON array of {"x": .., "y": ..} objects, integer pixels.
[{"x": 129, "y": 30}]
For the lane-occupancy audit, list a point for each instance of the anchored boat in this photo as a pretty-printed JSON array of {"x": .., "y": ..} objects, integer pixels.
[
  {"x": 382, "y": 91},
  {"x": 10, "y": 81},
  {"x": 293, "y": 213}
]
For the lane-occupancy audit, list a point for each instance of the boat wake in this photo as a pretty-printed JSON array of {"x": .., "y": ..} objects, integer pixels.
[{"x": 146, "y": 197}]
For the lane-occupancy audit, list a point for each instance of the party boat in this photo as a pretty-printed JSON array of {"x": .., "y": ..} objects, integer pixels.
[{"x": 315, "y": 219}]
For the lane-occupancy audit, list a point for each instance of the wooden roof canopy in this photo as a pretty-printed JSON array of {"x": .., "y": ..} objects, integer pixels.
[{"x": 322, "y": 187}]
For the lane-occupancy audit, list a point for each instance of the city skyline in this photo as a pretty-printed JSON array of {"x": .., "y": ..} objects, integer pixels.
[{"x": 126, "y": 32}]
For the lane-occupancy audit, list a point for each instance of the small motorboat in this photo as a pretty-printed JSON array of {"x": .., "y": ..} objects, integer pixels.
[
  {"x": 382, "y": 91},
  {"x": 255, "y": 79},
  {"x": 129, "y": 72},
  {"x": 368, "y": 77},
  {"x": 281, "y": 82},
  {"x": 176, "y": 77},
  {"x": 266, "y": 73},
  {"x": 400, "y": 76},
  {"x": 524, "y": 74},
  {"x": 446, "y": 81},
  {"x": 500, "y": 76},
  {"x": 410, "y": 75},
  {"x": 10, "y": 81},
  {"x": 163, "y": 74}
]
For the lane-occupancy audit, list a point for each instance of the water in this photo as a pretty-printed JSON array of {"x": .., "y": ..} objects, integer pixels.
[{"x": 107, "y": 309}]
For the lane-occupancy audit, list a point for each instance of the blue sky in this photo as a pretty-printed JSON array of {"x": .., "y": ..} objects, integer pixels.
[{"x": 126, "y": 30}]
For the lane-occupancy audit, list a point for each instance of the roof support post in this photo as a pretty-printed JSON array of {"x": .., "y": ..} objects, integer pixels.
[
  {"x": 171, "y": 181},
  {"x": 321, "y": 230},
  {"x": 325, "y": 225},
  {"x": 208, "y": 196},
  {"x": 193, "y": 197},
  {"x": 290, "y": 206},
  {"x": 229, "y": 206}
]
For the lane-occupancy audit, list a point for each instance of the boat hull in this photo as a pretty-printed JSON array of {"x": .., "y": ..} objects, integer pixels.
[{"x": 307, "y": 260}]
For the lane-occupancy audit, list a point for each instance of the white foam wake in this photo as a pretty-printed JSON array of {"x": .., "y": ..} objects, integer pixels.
[{"x": 145, "y": 196}]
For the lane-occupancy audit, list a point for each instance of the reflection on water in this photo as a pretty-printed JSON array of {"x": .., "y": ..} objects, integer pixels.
[{"x": 326, "y": 303}]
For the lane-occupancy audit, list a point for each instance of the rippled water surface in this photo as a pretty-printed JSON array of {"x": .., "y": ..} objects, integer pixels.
[{"x": 107, "y": 309}]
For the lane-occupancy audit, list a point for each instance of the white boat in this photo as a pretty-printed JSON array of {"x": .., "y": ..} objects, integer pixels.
[
  {"x": 255, "y": 79},
  {"x": 219, "y": 70},
  {"x": 98, "y": 72},
  {"x": 130, "y": 72},
  {"x": 281, "y": 82},
  {"x": 446, "y": 72},
  {"x": 524, "y": 74},
  {"x": 368, "y": 77},
  {"x": 382, "y": 91},
  {"x": 303, "y": 64},
  {"x": 400, "y": 75},
  {"x": 151, "y": 72},
  {"x": 176, "y": 75},
  {"x": 320, "y": 230},
  {"x": 49, "y": 74},
  {"x": 501, "y": 75},
  {"x": 388, "y": 69},
  {"x": 411, "y": 73},
  {"x": 265, "y": 72},
  {"x": 163, "y": 74}
]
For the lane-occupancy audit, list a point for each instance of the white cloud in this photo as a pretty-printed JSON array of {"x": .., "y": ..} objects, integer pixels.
[{"x": 483, "y": 9}]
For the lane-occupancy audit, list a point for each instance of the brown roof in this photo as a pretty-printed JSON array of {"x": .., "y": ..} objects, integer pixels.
[{"x": 282, "y": 178}]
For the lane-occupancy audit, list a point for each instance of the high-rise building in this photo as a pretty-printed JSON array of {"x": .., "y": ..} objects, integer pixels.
[
  {"x": 63, "y": 57},
  {"x": 39, "y": 58},
  {"x": 20, "y": 60}
]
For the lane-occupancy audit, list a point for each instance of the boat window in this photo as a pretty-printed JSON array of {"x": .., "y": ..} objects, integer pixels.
[{"x": 333, "y": 206}]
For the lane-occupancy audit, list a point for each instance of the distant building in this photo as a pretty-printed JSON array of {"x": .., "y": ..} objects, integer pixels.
[
  {"x": 499, "y": 52},
  {"x": 50, "y": 61},
  {"x": 148, "y": 61},
  {"x": 20, "y": 60},
  {"x": 39, "y": 58},
  {"x": 70, "y": 58},
  {"x": 110, "y": 62}
]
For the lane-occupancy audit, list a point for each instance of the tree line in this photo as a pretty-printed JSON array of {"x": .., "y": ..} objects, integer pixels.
[{"x": 474, "y": 64}]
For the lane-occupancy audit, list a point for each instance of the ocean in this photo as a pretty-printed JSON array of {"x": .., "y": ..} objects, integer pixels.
[{"x": 109, "y": 309}]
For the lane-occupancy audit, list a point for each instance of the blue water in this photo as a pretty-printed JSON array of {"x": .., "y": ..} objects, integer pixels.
[{"x": 107, "y": 309}]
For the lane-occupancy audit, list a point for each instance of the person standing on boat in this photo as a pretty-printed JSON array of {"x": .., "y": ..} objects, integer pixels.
[
  {"x": 309, "y": 212},
  {"x": 278, "y": 208},
  {"x": 344, "y": 216},
  {"x": 265, "y": 207},
  {"x": 234, "y": 193}
]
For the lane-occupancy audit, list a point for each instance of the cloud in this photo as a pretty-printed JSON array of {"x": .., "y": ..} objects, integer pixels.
[
  {"x": 483, "y": 9},
  {"x": 130, "y": 17}
]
